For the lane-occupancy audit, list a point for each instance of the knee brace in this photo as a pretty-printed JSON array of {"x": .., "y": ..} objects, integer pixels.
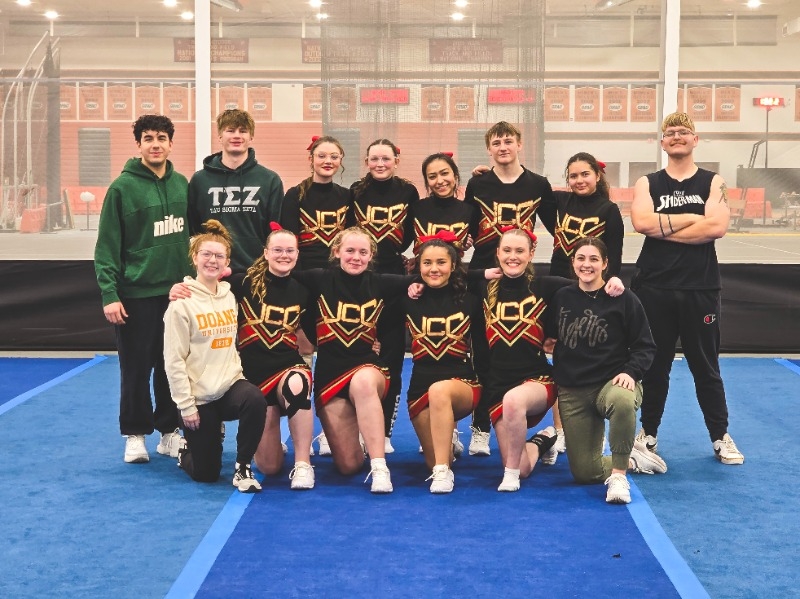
[{"x": 296, "y": 401}]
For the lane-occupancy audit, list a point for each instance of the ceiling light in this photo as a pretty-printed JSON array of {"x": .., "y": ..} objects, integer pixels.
[
  {"x": 321, "y": 16},
  {"x": 229, "y": 4},
  {"x": 753, "y": 3},
  {"x": 187, "y": 15},
  {"x": 315, "y": 3},
  {"x": 51, "y": 14},
  {"x": 461, "y": 3},
  {"x": 170, "y": 3},
  {"x": 457, "y": 16},
  {"x": 24, "y": 2}
]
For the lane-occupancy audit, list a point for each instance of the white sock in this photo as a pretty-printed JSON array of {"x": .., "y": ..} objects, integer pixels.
[
  {"x": 512, "y": 472},
  {"x": 375, "y": 463}
]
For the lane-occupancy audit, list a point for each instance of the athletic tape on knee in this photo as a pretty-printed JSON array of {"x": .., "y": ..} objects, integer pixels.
[{"x": 296, "y": 401}]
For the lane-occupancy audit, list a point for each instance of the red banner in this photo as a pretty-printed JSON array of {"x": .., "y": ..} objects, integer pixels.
[
  {"x": 147, "y": 100},
  {"x": 727, "y": 103},
  {"x": 643, "y": 104},
  {"x": 556, "y": 103},
  {"x": 587, "y": 104},
  {"x": 91, "y": 105},
  {"x": 312, "y": 103},
  {"x": 514, "y": 95},
  {"x": 120, "y": 103},
  {"x": 176, "y": 102},
  {"x": 259, "y": 102},
  {"x": 433, "y": 103},
  {"x": 465, "y": 51},
  {"x": 231, "y": 51},
  {"x": 615, "y": 104},
  {"x": 69, "y": 102},
  {"x": 699, "y": 102},
  {"x": 380, "y": 95},
  {"x": 462, "y": 104}
]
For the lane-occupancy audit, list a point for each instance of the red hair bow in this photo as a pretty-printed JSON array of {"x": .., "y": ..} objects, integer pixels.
[
  {"x": 448, "y": 154},
  {"x": 398, "y": 150},
  {"x": 273, "y": 226},
  {"x": 602, "y": 165},
  {"x": 530, "y": 234},
  {"x": 444, "y": 235},
  {"x": 313, "y": 139}
]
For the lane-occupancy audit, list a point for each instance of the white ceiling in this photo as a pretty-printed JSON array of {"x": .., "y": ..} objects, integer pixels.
[{"x": 396, "y": 11}]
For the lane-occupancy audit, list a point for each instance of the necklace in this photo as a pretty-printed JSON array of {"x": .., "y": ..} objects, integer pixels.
[{"x": 592, "y": 294}]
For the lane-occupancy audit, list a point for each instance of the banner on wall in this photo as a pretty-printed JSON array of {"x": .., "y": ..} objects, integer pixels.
[
  {"x": 344, "y": 106},
  {"x": 119, "y": 102},
  {"x": 176, "y": 102},
  {"x": 615, "y": 104},
  {"x": 465, "y": 51},
  {"x": 231, "y": 97},
  {"x": 312, "y": 103},
  {"x": 461, "y": 106},
  {"x": 587, "y": 104},
  {"x": 259, "y": 102},
  {"x": 91, "y": 103},
  {"x": 231, "y": 51},
  {"x": 339, "y": 51},
  {"x": 727, "y": 102},
  {"x": 69, "y": 102},
  {"x": 556, "y": 103},
  {"x": 147, "y": 100},
  {"x": 643, "y": 104},
  {"x": 699, "y": 102},
  {"x": 433, "y": 103}
]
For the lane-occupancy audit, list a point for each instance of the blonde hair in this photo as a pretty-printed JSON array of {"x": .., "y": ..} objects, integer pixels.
[
  {"x": 677, "y": 119},
  {"x": 213, "y": 231},
  {"x": 257, "y": 273},
  {"x": 493, "y": 288},
  {"x": 339, "y": 239},
  {"x": 235, "y": 118}
]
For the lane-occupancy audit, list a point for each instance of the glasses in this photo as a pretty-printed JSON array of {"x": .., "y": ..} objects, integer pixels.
[
  {"x": 678, "y": 133},
  {"x": 279, "y": 251},
  {"x": 206, "y": 255},
  {"x": 333, "y": 157},
  {"x": 381, "y": 159}
]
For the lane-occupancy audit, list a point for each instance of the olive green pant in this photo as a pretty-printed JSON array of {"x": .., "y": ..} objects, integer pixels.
[{"x": 584, "y": 411}]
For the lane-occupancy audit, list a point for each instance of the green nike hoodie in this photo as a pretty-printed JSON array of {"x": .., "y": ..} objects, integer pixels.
[{"x": 143, "y": 237}]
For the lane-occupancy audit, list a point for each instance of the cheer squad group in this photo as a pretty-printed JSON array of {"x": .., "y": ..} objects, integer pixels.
[{"x": 224, "y": 291}]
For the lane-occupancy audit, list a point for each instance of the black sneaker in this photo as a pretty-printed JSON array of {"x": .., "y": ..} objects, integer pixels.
[{"x": 244, "y": 481}]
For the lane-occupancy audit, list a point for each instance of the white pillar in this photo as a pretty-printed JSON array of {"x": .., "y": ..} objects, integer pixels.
[
  {"x": 668, "y": 69},
  {"x": 202, "y": 78}
]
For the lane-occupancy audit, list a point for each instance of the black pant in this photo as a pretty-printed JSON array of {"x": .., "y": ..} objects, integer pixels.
[
  {"x": 692, "y": 316},
  {"x": 244, "y": 402},
  {"x": 392, "y": 336},
  {"x": 140, "y": 345}
]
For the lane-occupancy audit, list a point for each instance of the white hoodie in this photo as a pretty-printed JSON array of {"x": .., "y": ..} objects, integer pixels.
[{"x": 200, "y": 354}]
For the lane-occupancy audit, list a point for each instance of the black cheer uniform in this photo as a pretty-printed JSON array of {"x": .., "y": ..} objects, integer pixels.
[
  {"x": 443, "y": 334},
  {"x": 267, "y": 330},
  {"x": 435, "y": 214},
  {"x": 349, "y": 309},
  {"x": 316, "y": 218},
  {"x": 498, "y": 205},
  {"x": 574, "y": 217}
]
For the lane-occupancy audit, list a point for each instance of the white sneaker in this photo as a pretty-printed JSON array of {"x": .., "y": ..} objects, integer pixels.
[
  {"x": 182, "y": 448},
  {"x": 726, "y": 451},
  {"x": 650, "y": 441},
  {"x": 479, "y": 442},
  {"x": 170, "y": 443},
  {"x": 302, "y": 476},
  {"x": 619, "y": 489},
  {"x": 561, "y": 441},
  {"x": 135, "y": 450},
  {"x": 458, "y": 446},
  {"x": 381, "y": 480},
  {"x": 324, "y": 448},
  {"x": 387, "y": 445},
  {"x": 244, "y": 481},
  {"x": 443, "y": 479},
  {"x": 510, "y": 482},
  {"x": 644, "y": 461}
]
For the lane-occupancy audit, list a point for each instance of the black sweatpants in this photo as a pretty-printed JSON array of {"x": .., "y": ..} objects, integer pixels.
[
  {"x": 692, "y": 317},
  {"x": 244, "y": 402},
  {"x": 140, "y": 345}
]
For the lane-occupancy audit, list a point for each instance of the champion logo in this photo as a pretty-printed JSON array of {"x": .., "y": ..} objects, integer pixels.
[{"x": 709, "y": 318}]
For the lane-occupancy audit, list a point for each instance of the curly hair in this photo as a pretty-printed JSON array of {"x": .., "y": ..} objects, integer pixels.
[
  {"x": 152, "y": 122},
  {"x": 257, "y": 273}
]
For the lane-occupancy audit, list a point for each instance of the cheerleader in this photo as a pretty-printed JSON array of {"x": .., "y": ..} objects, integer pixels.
[
  {"x": 204, "y": 370},
  {"x": 383, "y": 205},
  {"x": 604, "y": 348},
  {"x": 443, "y": 387},
  {"x": 584, "y": 211},
  {"x": 271, "y": 305},
  {"x": 316, "y": 211},
  {"x": 350, "y": 379}
]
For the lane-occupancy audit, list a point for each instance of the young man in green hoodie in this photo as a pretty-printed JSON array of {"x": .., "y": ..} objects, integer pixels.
[
  {"x": 141, "y": 251},
  {"x": 237, "y": 191}
]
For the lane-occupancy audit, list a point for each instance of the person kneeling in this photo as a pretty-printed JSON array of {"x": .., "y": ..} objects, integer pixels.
[{"x": 204, "y": 370}]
